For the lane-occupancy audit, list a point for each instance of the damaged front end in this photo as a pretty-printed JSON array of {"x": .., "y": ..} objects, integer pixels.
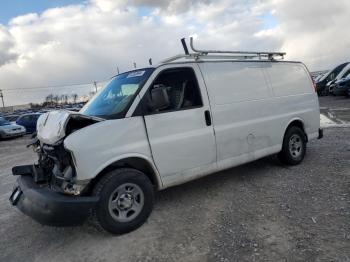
[
  {"x": 55, "y": 169},
  {"x": 48, "y": 188}
]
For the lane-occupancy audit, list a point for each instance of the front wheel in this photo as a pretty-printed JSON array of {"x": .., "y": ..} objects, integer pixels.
[
  {"x": 126, "y": 201},
  {"x": 293, "y": 147}
]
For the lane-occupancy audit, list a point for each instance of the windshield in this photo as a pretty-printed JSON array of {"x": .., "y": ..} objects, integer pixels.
[
  {"x": 4, "y": 122},
  {"x": 113, "y": 100},
  {"x": 333, "y": 73},
  {"x": 319, "y": 77},
  {"x": 324, "y": 76},
  {"x": 346, "y": 75}
]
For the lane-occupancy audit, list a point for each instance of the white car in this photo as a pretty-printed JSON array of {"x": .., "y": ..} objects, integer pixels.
[
  {"x": 152, "y": 128},
  {"x": 8, "y": 129}
]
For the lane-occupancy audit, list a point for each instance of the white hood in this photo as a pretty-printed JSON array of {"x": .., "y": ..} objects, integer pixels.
[{"x": 51, "y": 126}]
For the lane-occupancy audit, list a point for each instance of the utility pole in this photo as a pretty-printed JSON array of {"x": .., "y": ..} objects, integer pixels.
[
  {"x": 2, "y": 98},
  {"x": 95, "y": 84}
]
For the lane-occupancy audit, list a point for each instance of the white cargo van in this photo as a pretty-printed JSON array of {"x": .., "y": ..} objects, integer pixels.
[{"x": 152, "y": 128}]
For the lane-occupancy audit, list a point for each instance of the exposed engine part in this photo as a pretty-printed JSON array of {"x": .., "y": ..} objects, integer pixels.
[{"x": 55, "y": 166}]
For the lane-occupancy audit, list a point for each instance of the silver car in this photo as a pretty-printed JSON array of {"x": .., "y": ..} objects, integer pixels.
[{"x": 8, "y": 129}]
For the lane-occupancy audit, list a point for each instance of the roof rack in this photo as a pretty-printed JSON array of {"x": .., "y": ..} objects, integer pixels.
[{"x": 219, "y": 54}]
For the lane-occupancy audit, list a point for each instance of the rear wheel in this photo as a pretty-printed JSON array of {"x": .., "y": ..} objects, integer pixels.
[
  {"x": 126, "y": 201},
  {"x": 294, "y": 146}
]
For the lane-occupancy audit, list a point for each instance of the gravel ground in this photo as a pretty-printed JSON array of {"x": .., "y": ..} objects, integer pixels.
[{"x": 262, "y": 211}]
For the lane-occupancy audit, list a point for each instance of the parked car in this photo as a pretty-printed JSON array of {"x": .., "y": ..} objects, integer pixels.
[
  {"x": 28, "y": 121},
  {"x": 11, "y": 118},
  {"x": 161, "y": 126},
  {"x": 342, "y": 86},
  {"x": 321, "y": 84},
  {"x": 342, "y": 75},
  {"x": 7, "y": 129},
  {"x": 320, "y": 76}
]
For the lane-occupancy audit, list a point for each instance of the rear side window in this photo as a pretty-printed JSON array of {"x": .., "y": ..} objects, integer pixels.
[
  {"x": 289, "y": 79},
  {"x": 231, "y": 82},
  {"x": 24, "y": 119}
]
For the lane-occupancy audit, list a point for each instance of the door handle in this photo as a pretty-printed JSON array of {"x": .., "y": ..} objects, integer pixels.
[{"x": 207, "y": 117}]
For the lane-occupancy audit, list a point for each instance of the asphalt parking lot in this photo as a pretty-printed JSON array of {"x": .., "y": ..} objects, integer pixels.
[{"x": 262, "y": 211}]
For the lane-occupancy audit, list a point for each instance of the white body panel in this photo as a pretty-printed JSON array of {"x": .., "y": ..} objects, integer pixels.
[
  {"x": 181, "y": 142},
  {"x": 251, "y": 105},
  {"x": 101, "y": 144}
]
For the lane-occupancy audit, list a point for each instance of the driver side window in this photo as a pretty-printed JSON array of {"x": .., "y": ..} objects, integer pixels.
[{"x": 178, "y": 89}]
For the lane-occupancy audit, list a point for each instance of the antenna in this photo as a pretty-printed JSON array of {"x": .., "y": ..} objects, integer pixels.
[
  {"x": 184, "y": 45},
  {"x": 150, "y": 61}
]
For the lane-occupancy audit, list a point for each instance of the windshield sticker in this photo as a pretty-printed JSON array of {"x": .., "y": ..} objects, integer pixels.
[{"x": 135, "y": 74}]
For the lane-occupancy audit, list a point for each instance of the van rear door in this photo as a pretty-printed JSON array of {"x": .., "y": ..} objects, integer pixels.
[{"x": 181, "y": 135}]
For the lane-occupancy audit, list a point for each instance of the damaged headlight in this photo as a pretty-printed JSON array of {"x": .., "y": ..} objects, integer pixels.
[{"x": 63, "y": 172}]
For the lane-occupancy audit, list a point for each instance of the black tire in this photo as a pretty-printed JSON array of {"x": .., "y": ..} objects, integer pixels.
[
  {"x": 296, "y": 156},
  {"x": 101, "y": 216}
]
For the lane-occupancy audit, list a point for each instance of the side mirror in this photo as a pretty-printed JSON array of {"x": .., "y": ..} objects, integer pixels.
[{"x": 159, "y": 99}]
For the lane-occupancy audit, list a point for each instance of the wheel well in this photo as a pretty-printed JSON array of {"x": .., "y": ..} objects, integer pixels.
[
  {"x": 132, "y": 162},
  {"x": 297, "y": 123}
]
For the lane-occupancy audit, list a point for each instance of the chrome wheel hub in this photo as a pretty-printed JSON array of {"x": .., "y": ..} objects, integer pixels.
[
  {"x": 295, "y": 146},
  {"x": 126, "y": 202}
]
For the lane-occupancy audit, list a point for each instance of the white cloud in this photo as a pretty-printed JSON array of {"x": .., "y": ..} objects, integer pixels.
[
  {"x": 6, "y": 46},
  {"x": 314, "y": 31},
  {"x": 87, "y": 42},
  {"x": 24, "y": 19}
]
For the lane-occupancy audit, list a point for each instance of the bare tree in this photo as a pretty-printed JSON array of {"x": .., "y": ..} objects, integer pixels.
[
  {"x": 65, "y": 98},
  {"x": 49, "y": 99},
  {"x": 74, "y": 97},
  {"x": 56, "y": 98},
  {"x": 61, "y": 97}
]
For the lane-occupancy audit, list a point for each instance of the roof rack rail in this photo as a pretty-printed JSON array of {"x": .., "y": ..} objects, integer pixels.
[
  {"x": 268, "y": 55},
  {"x": 219, "y": 54},
  {"x": 198, "y": 56}
]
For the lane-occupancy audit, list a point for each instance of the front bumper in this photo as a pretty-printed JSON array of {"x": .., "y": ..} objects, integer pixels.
[
  {"x": 49, "y": 207},
  {"x": 8, "y": 135}
]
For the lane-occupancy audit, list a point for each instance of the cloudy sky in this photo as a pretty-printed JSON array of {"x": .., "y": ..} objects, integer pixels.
[{"x": 66, "y": 42}]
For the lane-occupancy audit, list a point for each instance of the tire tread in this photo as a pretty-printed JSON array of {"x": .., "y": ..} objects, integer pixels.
[
  {"x": 284, "y": 155},
  {"x": 97, "y": 190}
]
